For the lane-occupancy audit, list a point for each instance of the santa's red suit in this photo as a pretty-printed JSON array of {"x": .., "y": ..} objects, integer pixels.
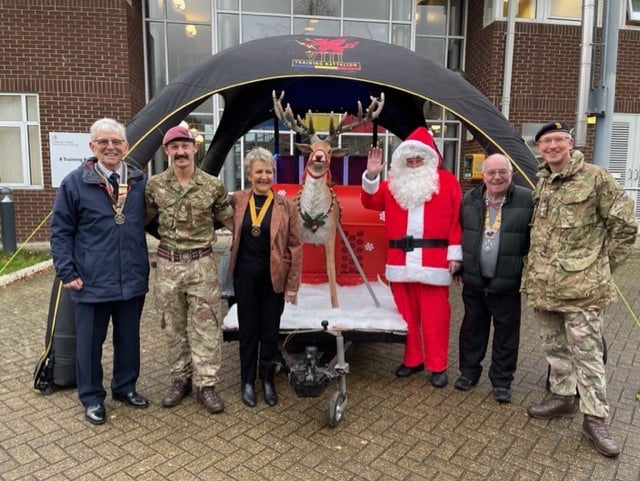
[{"x": 420, "y": 276}]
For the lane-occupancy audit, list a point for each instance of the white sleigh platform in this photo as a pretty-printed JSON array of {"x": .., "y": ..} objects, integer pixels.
[{"x": 358, "y": 317}]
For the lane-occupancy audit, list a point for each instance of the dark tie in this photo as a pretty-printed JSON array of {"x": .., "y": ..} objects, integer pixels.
[{"x": 113, "y": 180}]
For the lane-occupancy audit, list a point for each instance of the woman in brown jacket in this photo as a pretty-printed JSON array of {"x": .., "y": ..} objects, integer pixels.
[{"x": 266, "y": 257}]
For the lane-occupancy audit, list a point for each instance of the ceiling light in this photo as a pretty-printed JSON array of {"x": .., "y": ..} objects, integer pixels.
[
  {"x": 178, "y": 5},
  {"x": 190, "y": 30}
]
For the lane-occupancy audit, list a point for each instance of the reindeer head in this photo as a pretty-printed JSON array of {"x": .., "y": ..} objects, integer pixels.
[{"x": 320, "y": 150}]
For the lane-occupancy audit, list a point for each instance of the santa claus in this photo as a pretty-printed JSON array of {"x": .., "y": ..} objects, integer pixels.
[{"x": 421, "y": 202}]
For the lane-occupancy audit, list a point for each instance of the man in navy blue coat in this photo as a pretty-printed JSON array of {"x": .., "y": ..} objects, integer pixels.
[{"x": 99, "y": 252}]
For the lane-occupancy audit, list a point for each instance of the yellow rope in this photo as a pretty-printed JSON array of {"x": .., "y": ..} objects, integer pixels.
[
  {"x": 25, "y": 242},
  {"x": 624, "y": 301},
  {"x": 633, "y": 315}
]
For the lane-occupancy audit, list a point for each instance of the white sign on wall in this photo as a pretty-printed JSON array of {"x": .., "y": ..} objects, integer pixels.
[{"x": 67, "y": 151}]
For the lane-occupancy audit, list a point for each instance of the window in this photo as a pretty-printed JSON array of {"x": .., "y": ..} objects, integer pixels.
[
  {"x": 314, "y": 26},
  {"x": 526, "y": 9},
  {"x": 188, "y": 10},
  {"x": 554, "y": 11},
  {"x": 20, "y": 140},
  {"x": 188, "y": 45},
  {"x": 367, "y": 9},
  {"x": 559, "y": 11},
  {"x": 634, "y": 10},
  {"x": 373, "y": 30},
  {"x": 262, "y": 26},
  {"x": 266, "y": 6},
  {"x": 440, "y": 27},
  {"x": 328, "y": 8},
  {"x": 566, "y": 9}
]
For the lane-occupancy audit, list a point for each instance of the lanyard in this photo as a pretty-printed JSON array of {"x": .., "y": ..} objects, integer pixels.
[
  {"x": 123, "y": 187},
  {"x": 490, "y": 231},
  {"x": 256, "y": 219}
]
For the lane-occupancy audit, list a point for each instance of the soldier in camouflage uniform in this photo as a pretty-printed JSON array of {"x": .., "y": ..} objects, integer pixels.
[
  {"x": 187, "y": 201},
  {"x": 583, "y": 227}
]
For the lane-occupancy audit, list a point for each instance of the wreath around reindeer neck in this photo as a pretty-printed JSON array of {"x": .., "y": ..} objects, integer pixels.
[{"x": 313, "y": 223}]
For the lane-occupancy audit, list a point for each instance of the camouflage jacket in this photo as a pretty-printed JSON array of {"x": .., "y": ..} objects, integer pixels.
[
  {"x": 186, "y": 215},
  {"x": 583, "y": 226}
]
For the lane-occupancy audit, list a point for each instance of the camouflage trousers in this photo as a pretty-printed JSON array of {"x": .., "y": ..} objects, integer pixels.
[
  {"x": 189, "y": 304},
  {"x": 572, "y": 342}
]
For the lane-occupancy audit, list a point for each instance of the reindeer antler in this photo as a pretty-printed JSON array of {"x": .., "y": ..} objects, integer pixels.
[
  {"x": 295, "y": 123},
  {"x": 373, "y": 112},
  {"x": 286, "y": 116}
]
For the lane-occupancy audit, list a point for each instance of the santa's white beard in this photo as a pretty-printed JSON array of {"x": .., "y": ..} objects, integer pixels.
[{"x": 412, "y": 187}]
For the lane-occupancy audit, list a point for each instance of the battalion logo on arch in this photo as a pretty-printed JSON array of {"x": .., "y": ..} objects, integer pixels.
[{"x": 326, "y": 54}]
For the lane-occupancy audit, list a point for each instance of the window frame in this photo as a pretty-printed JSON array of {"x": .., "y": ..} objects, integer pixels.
[
  {"x": 492, "y": 12},
  {"x": 24, "y": 125},
  {"x": 629, "y": 17},
  {"x": 634, "y": 13}
]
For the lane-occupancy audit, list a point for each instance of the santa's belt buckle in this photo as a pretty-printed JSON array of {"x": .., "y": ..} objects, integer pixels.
[{"x": 405, "y": 243}]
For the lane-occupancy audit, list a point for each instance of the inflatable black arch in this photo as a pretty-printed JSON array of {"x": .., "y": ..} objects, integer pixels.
[{"x": 322, "y": 74}]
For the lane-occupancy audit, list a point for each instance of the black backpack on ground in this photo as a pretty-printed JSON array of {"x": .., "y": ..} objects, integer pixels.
[{"x": 56, "y": 367}]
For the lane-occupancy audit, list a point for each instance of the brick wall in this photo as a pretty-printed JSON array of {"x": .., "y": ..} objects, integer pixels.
[
  {"x": 84, "y": 59},
  {"x": 546, "y": 64}
]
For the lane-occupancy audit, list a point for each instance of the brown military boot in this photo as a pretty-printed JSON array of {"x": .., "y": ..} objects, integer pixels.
[
  {"x": 595, "y": 429},
  {"x": 554, "y": 406},
  {"x": 209, "y": 398},
  {"x": 178, "y": 390}
]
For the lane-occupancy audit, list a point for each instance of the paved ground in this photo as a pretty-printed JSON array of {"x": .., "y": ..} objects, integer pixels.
[{"x": 393, "y": 429}]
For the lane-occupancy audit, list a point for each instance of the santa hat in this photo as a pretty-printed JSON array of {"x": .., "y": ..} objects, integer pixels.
[{"x": 419, "y": 143}]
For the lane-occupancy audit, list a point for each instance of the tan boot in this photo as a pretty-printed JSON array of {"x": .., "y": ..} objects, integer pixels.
[
  {"x": 554, "y": 406},
  {"x": 209, "y": 398},
  {"x": 178, "y": 390},
  {"x": 596, "y": 430}
]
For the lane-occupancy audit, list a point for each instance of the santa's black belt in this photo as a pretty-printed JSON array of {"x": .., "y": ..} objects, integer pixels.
[{"x": 408, "y": 243}]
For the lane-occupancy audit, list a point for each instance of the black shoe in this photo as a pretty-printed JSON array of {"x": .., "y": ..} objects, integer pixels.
[
  {"x": 269, "y": 392},
  {"x": 406, "y": 371},
  {"x": 502, "y": 394},
  {"x": 439, "y": 379},
  {"x": 132, "y": 399},
  {"x": 463, "y": 383},
  {"x": 248, "y": 394},
  {"x": 95, "y": 414}
]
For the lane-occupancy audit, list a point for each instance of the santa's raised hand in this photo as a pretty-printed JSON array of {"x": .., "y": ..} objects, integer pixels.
[{"x": 374, "y": 163}]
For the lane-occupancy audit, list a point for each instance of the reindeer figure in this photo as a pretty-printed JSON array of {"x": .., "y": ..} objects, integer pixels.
[{"x": 317, "y": 203}]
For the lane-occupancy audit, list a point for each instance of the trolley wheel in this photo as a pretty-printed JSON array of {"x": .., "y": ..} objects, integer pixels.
[
  {"x": 337, "y": 405},
  {"x": 280, "y": 363},
  {"x": 277, "y": 368}
]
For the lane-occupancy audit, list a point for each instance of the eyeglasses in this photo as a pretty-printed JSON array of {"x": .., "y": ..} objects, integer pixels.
[
  {"x": 500, "y": 172},
  {"x": 557, "y": 140},
  {"x": 105, "y": 142}
]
